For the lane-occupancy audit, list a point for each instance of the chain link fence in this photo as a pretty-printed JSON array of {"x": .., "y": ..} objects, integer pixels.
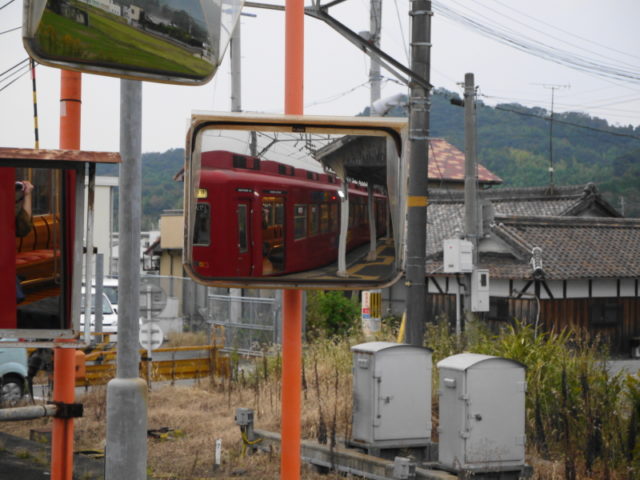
[{"x": 248, "y": 319}]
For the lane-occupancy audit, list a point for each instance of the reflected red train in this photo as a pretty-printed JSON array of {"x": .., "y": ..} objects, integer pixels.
[{"x": 259, "y": 217}]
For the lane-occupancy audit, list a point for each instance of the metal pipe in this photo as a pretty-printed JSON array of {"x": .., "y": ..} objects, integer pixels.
[
  {"x": 27, "y": 413},
  {"x": 127, "y": 394}
]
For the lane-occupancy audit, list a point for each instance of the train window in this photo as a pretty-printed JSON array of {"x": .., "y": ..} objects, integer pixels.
[
  {"x": 333, "y": 217},
  {"x": 279, "y": 214},
  {"x": 202, "y": 230},
  {"x": 314, "y": 218},
  {"x": 294, "y": 195},
  {"x": 243, "y": 242},
  {"x": 324, "y": 218},
  {"x": 299, "y": 221}
]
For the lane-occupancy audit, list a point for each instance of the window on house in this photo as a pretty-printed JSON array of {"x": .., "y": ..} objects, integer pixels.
[{"x": 605, "y": 313}]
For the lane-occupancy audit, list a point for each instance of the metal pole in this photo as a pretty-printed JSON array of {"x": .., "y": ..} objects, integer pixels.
[
  {"x": 88, "y": 257},
  {"x": 99, "y": 289},
  {"x": 236, "y": 70},
  {"x": 419, "y": 105},
  {"x": 127, "y": 393},
  {"x": 64, "y": 359},
  {"x": 375, "y": 22}
]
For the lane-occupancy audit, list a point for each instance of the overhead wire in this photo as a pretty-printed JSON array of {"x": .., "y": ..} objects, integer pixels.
[
  {"x": 22, "y": 74},
  {"x": 564, "y": 122},
  {"x": 531, "y": 46},
  {"x": 530, "y": 18},
  {"x": 8, "y": 3},
  {"x": 10, "y": 30}
]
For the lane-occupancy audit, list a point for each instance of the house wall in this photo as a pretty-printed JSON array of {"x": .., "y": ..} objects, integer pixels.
[{"x": 617, "y": 331}]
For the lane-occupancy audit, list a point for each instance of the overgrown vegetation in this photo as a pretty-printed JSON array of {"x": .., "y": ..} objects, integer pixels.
[{"x": 582, "y": 421}]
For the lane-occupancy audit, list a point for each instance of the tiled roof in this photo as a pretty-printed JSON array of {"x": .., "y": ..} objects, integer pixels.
[
  {"x": 446, "y": 163},
  {"x": 445, "y": 214},
  {"x": 574, "y": 247}
]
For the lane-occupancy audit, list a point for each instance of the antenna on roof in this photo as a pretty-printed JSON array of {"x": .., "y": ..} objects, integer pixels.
[{"x": 553, "y": 88}]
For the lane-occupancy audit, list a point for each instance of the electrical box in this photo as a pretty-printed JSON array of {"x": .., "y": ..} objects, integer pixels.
[
  {"x": 480, "y": 299},
  {"x": 457, "y": 255},
  {"x": 482, "y": 413},
  {"x": 391, "y": 395}
]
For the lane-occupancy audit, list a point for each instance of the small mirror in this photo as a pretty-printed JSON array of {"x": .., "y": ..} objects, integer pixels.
[
  {"x": 294, "y": 201},
  {"x": 173, "y": 41}
]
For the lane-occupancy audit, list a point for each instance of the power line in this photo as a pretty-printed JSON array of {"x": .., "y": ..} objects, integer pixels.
[
  {"x": 533, "y": 47},
  {"x": 10, "y": 30},
  {"x": 8, "y": 3},
  {"x": 529, "y": 18},
  {"x": 15, "y": 66},
  {"x": 564, "y": 122},
  {"x": 22, "y": 73}
]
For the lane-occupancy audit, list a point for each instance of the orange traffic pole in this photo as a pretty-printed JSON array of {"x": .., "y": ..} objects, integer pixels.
[
  {"x": 291, "y": 385},
  {"x": 292, "y": 299},
  {"x": 64, "y": 359},
  {"x": 294, "y": 57}
]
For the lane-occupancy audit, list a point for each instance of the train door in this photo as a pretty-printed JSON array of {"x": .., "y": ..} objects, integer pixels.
[
  {"x": 244, "y": 263},
  {"x": 273, "y": 239}
]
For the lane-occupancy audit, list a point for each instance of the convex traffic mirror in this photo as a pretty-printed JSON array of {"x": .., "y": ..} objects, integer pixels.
[
  {"x": 294, "y": 201},
  {"x": 173, "y": 41}
]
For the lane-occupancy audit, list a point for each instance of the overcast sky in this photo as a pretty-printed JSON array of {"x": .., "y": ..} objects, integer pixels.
[{"x": 604, "y": 36}]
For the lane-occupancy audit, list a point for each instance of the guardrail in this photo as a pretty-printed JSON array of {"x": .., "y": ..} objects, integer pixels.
[{"x": 204, "y": 361}]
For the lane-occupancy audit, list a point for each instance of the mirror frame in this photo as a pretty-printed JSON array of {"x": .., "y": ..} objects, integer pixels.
[
  {"x": 394, "y": 128},
  {"x": 32, "y": 13}
]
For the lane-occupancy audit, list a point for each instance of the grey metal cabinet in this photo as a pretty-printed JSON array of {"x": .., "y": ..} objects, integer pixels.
[
  {"x": 391, "y": 395},
  {"x": 482, "y": 413}
]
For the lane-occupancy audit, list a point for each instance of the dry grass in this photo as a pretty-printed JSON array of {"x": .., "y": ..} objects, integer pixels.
[{"x": 202, "y": 413}]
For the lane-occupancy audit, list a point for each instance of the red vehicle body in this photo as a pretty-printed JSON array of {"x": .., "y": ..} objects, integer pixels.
[{"x": 259, "y": 217}]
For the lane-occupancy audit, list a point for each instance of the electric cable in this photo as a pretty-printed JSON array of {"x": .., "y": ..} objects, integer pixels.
[
  {"x": 10, "y": 30},
  {"x": 564, "y": 122},
  {"x": 8, "y": 3},
  {"x": 533, "y": 47}
]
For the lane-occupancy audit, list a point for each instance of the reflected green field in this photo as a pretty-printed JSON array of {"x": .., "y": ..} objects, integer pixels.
[{"x": 111, "y": 42}]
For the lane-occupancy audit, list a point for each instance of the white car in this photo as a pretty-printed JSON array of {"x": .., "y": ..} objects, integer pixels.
[
  {"x": 109, "y": 314},
  {"x": 13, "y": 373},
  {"x": 110, "y": 288}
]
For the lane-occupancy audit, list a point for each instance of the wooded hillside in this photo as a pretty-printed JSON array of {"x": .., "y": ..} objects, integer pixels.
[{"x": 513, "y": 142}]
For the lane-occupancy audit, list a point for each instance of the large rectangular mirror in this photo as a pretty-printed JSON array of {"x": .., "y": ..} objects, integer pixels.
[
  {"x": 174, "y": 41},
  {"x": 294, "y": 201}
]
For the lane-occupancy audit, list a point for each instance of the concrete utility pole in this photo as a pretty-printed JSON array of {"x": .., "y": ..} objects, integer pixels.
[
  {"x": 471, "y": 213},
  {"x": 375, "y": 15},
  {"x": 375, "y": 22},
  {"x": 127, "y": 393},
  {"x": 419, "y": 106},
  {"x": 471, "y": 227}
]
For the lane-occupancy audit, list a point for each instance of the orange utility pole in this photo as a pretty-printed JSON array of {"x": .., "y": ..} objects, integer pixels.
[
  {"x": 64, "y": 360},
  {"x": 292, "y": 299}
]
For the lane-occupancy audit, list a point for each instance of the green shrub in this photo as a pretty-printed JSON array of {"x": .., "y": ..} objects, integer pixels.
[{"x": 330, "y": 314}]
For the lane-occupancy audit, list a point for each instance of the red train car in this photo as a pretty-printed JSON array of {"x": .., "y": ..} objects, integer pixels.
[{"x": 259, "y": 217}]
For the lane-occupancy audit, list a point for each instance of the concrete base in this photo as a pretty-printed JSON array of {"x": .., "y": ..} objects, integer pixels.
[{"x": 126, "y": 450}]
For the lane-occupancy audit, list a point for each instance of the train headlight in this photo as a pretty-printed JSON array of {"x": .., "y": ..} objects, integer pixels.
[{"x": 202, "y": 193}]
